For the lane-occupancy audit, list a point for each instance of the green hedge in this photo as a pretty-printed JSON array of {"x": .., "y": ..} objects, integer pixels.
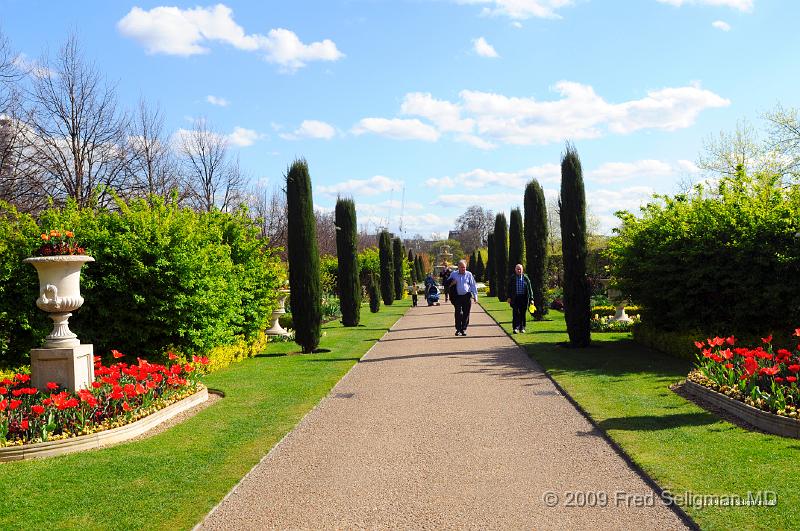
[
  {"x": 165, "y": 278},
  {"x": 725, "y": 259},
  {"x": 679, "y": 344}
]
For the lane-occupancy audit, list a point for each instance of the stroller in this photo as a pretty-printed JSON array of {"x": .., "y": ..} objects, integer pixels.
[{"x": 432, "y": 294}]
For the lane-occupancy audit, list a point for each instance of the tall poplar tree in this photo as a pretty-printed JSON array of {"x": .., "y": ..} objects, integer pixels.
[
  {"x": 397, "y": 258},
  {"x": 303, "y": 257},
  {"x": 536, "y": 244},
  {"x": 577, "y": 292},
  {"x": 347, "y": 257}
]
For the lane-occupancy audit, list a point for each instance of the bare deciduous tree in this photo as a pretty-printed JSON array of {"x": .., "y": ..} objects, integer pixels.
[
  {"x": 212, "y": 178},
  {"x": 326, "y": 232},
  {"x": 474, "y": 224},
  {"x": 152, "y": 169},
  {"x": 269, "y": 207},
  {"x": 79, "y": 146}
]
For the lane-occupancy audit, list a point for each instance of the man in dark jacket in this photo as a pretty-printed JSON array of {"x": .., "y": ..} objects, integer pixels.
[{"x": 520, "y": 295}]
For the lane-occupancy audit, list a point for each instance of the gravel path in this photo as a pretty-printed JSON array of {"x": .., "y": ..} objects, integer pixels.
[{"x": 430, "y": 430}]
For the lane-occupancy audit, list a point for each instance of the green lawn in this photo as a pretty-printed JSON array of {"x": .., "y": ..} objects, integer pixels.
[
  {"x": 172, "y": 480},
  {"x": 624, "y": 388}
]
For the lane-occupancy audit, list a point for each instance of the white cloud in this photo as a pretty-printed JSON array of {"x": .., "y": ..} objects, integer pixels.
[
  {"x": 483, "y": 119},
  {"x": 481, "y": 178},
  {"x": 499, "y": 201},
  {"x": 721, "y": 25},
  {"x": 612, "y": 172},
  {"x": 284, "y": 47},
  {"x": 444, "y": 114},
  {"x": 520, "y": 9},
  {"x": 311, "y": 129},
  {"x": 444, "y": 182},
  {"x": 34, "y": 68},
  {"x": 687, "y": 166},
  {"x": 242, "y": 137},
  {"x": 398, "y": 129},
  {"x": 483, "y": 48},
  {"x": 516, "y": 24},
  {"x": 378, "y": 184},
  {"x": 220, "y": 102},
  {"x": 741, "y": 5},
  {"x": 185, "y": 32}
]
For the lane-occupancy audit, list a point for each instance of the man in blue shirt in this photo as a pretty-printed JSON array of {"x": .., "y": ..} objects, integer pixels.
[
  {"x": 465, "y": 292},
  {"x": 520, "y": 295}
]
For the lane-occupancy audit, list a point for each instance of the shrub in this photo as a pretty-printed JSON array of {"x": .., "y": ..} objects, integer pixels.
[
  {"x": 387, "y": 268},
  {"x": 328, "y": 275},
  {"x": 572, "y": 207},
  {"x": 675, "y": 343},
  {"x": 166, "y": 277},
  {"x": 604, "y": 324},
  {"x": 604, "y": 310},
  {"x": 369, "y": 264},
  {"x": 724, "y": 259},
  {"x": 22, "y": 325},
  {"x": 303, "y": 257},
  {"x": 536, "y": 244},
  {"x": 346, "y": 240}
]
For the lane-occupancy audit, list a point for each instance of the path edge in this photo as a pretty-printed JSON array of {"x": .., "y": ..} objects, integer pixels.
[
  {"x": 677, "y": 509},
  {"x": 198, "y": 525}
]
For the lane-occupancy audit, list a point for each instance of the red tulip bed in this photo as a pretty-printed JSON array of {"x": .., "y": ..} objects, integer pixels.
[
  {"x": 761, "y": 376},
  {"x": 121, "y": 393}
]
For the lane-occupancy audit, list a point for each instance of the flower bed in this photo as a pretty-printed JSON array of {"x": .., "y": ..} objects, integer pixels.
[
  {"x": 761, "y": 376},
  {"x": 605, "y": 324},
  {"x": 121, "y": 394}
]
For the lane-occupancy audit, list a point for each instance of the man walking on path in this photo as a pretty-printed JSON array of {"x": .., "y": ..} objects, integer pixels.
[
  {"x": 520, "y": 295},
  {"x": 466, "y": 292}
]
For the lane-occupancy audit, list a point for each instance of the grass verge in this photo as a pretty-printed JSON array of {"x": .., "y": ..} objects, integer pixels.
[
  {"x": 171, "y": 480},
  {"x": 624, "y": 387}
]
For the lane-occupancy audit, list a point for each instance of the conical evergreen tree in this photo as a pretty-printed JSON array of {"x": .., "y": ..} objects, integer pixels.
[
  {"x": 536, "y": 244},
  {"x": 347, "y": 257},
  {"x": 387, "y": 267},
  {"x": 481, "y": 268},
  {"x": 501, "y": 254},
  {"x": 489, "y": 273},
  {"x": 420, "y": 269},
  {"x": 397, "y": 258},
  {"x": 374, "y": 296},
  {"x": 303, "y": 257},
  {"x": 516, "y": 241},
  {"x": 577, "y": 293}
]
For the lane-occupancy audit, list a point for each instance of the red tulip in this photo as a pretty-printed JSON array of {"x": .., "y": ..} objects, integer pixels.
[{"x": 37, "y": 409}]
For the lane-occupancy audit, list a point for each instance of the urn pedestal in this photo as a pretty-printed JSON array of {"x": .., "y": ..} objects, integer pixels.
[
  {"x": 276, "y": 329},
  {"x": 63, "y": 359}
]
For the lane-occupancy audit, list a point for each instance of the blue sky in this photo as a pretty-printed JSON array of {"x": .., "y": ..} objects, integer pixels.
[{"x": 445, "y": 103}]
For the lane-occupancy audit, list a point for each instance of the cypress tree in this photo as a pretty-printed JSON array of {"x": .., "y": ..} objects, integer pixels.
[
  {"x": 412, "y": 262},
  {"x": 516, "y": 241},
  {"x": 481, "y": 269},
  {"x": 501, "y": 254},
  {"x": 374, "y": 296},
  {"x": 347, "y": 257},
  {"x": 387, "y": 268},
  {"x": 397, "y": 257},
  {"x": 536, "y": 243},
  {"x": 577, "y": 293},
  {"x": 303, "y": 257},
  {"x": 489, "y": 273},
  {"x": 420, "y": 269}
]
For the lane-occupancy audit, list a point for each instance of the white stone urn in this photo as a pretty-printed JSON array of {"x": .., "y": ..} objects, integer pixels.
[
  {"x": 276, "y": 329},
  {"x": 59, "y": 294}
]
